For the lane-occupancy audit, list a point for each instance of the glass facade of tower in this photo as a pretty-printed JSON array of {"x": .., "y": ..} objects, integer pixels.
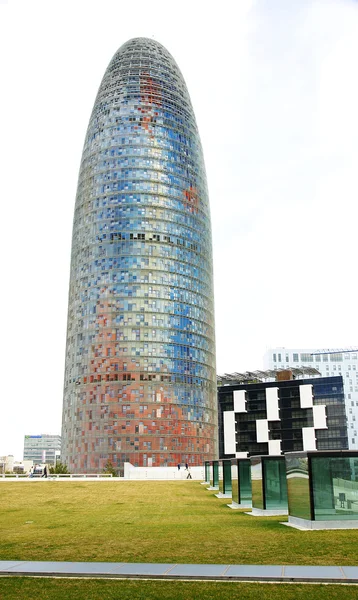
[{"x": 140, "y": 378}]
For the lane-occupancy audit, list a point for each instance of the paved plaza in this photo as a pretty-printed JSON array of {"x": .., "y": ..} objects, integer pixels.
[{"x": 263, "y": 573}]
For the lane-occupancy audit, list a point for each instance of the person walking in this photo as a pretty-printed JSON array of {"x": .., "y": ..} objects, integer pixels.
[
  {"x": 45, "y": 472},
  {"x": 189, "y": 474}
]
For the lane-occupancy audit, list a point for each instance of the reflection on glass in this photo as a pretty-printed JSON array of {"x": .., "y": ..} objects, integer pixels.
[
  {"x": 234, "y": 481},
  {"x": 275, "y": 483},
  {"x": 335, "y": 488},
  {"x": 298, "y": 487},
  {"x": 245, "y": 490},
  {"x": 256, "y": 482},
  {"x": 215, "y": 480}
]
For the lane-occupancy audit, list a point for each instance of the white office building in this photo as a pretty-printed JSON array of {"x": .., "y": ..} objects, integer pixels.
[
  {"x": 42, "y": 448},
  {"x": 328, "y": 362}
]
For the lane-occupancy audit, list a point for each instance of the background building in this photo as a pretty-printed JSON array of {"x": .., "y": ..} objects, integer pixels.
[
  {"x": 9, "y": 465},
  {"x": 6, "y": 463},
  {"x": 258, "y": 417},
  {"x": 140, "y": 377},
  {"x": 328, "y": 362},
  {"x": 42, "y": 448}
]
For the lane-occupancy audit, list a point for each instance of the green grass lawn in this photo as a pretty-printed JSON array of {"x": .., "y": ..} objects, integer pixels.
[{"x": 174, "y": 522}]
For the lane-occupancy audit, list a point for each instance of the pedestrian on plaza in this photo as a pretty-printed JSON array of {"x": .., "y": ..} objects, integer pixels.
[
  {"x": 45, "y": 472},
  {"x": 189, "y": 474},
  {"x": 179, "y": 467}
]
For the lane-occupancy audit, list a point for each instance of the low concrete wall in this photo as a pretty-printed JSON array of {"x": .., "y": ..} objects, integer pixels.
[
  {"x": 62, "y": 476},
  {"x": 166, "y": 473},
  {"x": 130, "y": 473}
]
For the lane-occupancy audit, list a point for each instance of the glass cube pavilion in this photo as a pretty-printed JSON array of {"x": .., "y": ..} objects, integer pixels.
[
  {"x": 225, "y": 485},
  {"x": 140, "y": 376},
  {"x": 215, "y": 475},
  {"x": 241, "y": 482},
  {"x": 269, "y": 487},
  {"x": 207, "y": 471},
  {"x": 322, "y": 489}
]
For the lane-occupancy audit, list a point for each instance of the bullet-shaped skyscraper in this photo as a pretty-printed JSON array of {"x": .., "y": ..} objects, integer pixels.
[{"x": 140, "y": 377}]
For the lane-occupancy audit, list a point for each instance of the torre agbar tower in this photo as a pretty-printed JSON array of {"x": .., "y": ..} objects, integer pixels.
[{"x": 140, "y": 377}]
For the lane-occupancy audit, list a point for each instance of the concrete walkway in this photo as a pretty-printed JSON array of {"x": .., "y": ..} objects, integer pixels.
[{"x": 263, "y": 573}]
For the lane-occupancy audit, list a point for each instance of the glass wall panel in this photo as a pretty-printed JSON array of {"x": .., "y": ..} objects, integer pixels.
[
  {"x": 221, "y": 478},
  {"x": 335, "y": 488},
  {"x": 275, "y": 483},
  {"x": 207, "y": 470},
  {"x": 245, "y": 490},
  {"x": 215, "y": 480},
  {"x": 227, "y": 486},
  {"x": 235, "y": 481},
  {"x": 256, "y": 482},
  {"x": 298, "y": 487}
]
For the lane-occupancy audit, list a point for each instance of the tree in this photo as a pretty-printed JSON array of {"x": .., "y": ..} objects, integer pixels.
[
  {"x": 58, "y": 469},
  {"x": 109, "y": 469}
]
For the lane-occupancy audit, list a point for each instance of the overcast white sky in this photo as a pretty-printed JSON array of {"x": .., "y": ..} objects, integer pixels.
[{"x": 275, "y": 92}]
